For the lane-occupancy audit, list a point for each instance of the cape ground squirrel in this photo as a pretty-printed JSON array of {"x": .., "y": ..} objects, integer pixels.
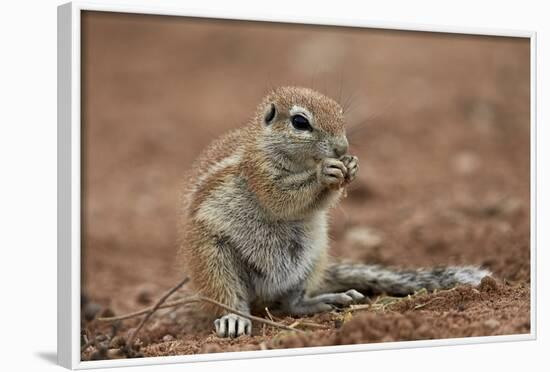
[{"x": 255, "y": 217}]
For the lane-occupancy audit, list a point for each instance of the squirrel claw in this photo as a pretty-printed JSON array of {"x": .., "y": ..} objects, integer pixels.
[
  {"x": 232, "y": 325},
  {"x": 352, "y": 166}
]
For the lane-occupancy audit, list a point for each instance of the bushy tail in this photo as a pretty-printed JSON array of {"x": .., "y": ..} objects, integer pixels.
[{"x": 373, "y": 279}]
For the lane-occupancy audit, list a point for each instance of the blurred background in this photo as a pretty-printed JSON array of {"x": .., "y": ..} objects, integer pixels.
[{"x": 439, "y": 122}]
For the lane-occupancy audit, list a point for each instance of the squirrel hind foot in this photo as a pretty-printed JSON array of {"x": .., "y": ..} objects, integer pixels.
[{"x": 324, "y": 302}]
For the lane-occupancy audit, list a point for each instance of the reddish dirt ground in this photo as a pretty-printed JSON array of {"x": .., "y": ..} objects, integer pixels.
[{"x": 443, "y": 142}]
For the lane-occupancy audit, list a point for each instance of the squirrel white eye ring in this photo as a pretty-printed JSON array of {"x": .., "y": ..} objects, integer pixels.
[{"x": 300, "y": 122}]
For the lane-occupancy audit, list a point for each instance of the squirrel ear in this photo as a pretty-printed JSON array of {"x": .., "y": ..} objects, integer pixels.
[{"x": 270, "y": 114}]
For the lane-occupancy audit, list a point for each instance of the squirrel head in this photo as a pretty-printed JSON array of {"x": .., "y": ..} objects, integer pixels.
[{"x": 301, "y": 125}]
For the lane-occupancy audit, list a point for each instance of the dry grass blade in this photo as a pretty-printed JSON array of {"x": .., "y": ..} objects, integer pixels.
[
  {"x": 419, "y": 306},
  {"x": 271, "y": 317},
  {"x": 359, "y": 307}
]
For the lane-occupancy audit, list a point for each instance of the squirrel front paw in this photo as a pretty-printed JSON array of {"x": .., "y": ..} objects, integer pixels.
[
  {"x": 352, "y": 166},
  {"x": 232, "y": 325},
  {"x": 332, "y": 173}
]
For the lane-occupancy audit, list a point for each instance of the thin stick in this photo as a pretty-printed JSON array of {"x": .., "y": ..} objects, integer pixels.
[
  {"x": 314, "y": 325},
  {"x": 268, "y": 313},
  {"x": 155, "y": 307},
  {"x": 140, "y": 312},
  {"x": 199, "y": 298},
  {"x": 293, "y": 325}
]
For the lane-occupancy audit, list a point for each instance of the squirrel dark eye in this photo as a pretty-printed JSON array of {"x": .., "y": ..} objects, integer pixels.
[{"x": 300, "y": 122}]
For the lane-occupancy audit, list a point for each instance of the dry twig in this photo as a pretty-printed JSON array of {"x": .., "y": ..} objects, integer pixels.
[
  {"x": 153, "y": 309},
  {"x": 197, "y": 298}
]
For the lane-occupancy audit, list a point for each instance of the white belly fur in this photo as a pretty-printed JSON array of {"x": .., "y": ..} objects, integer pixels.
[{"x": 278, "y": 256}]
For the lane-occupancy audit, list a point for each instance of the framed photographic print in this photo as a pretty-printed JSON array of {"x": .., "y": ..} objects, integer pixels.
[{"x": 249, "y": 186}]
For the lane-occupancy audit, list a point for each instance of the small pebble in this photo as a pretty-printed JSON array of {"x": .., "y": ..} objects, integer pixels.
[
  {"x": 115, "y": 354},
  {"x": 168, "y": 338},
  {"x": 492, "y": 323},
  {"x": 210, "y": 348},
  {"x": 103, "y": 345},
  {"x": 488, "y": 284},
  {"x": 107, "y": 313},
  {"x": 117, "y": 342},
  {"x": 100, "y": 338},
  {"x": 144, "y": 296},
  {"x": 98, "y": 355},
  {"x": 91, "y": 310}
]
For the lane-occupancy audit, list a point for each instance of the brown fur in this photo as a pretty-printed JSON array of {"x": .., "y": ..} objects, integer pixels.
[
  {"x": 198, "y": 251},
  {"x": 254, "y": 216}
]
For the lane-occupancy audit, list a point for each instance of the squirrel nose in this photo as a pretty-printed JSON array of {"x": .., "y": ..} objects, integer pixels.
[{"x": 340, "y": 147}]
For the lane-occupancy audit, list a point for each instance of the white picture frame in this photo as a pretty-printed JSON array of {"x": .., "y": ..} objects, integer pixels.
[{"x": 69, "y": 187}]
